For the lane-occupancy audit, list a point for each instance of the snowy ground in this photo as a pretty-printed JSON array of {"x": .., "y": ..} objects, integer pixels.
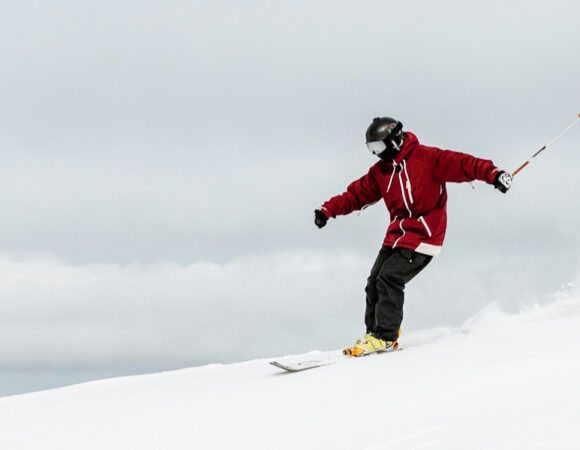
[{"x": 500, "y": 382}]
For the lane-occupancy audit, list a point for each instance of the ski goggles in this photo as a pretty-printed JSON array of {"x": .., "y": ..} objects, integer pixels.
[{"x": 376, "y": 147}]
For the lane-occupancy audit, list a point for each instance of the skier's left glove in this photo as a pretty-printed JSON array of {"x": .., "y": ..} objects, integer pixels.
[
  {"x": 503, "y": 181},
  {"x": 320, "y": 218}
]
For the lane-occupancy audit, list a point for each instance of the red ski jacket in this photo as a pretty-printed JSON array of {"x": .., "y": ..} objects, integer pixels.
[{"x": 413, "y": 189}]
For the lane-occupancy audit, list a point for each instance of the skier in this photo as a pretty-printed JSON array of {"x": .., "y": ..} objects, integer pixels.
[{"x": 410, "y": 178}]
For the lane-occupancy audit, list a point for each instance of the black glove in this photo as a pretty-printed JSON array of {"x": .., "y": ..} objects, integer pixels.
[
  {"x": 320, "y": 218},
  {"x": 503, "y": 181}
]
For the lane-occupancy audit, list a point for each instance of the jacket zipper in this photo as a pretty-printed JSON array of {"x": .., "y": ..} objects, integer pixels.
[
  {"x": 408, "y": 184},
  {"x": 403, "y": 194},
  {"x": 403, "y": 163}
]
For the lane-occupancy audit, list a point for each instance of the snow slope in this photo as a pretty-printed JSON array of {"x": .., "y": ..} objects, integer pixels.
[{"x": 499, "y": 382}]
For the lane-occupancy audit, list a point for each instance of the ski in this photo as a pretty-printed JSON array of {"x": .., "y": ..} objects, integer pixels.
[
  {"x": 298, "y": 366},
  {"x": 332, "y": 358}
]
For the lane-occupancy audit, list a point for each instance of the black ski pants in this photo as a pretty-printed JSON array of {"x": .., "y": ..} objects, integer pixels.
[{"x": 385, "y": 289}]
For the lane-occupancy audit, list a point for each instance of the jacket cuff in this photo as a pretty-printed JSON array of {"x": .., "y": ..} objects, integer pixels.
[
  {"x": 493, "y": 175},
  {"x": 326, "y": 212}
]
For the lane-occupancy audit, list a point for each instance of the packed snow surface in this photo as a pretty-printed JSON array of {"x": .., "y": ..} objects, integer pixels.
[{"x": 499, "y": 382}]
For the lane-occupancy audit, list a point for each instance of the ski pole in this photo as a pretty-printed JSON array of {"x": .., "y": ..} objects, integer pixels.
[{"x": 546, "y": 146}]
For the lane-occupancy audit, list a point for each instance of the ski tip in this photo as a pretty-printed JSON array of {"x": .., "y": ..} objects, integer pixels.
[{"x": 279, "y": 366}]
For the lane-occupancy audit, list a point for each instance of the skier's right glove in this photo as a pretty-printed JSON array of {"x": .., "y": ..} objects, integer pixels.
[
  {"x": 503, "y": 181},
  {"x": 320, "y": 218}
]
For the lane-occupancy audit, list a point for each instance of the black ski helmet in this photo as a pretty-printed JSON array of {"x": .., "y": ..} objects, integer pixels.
[{"x": 385, "y": 137}]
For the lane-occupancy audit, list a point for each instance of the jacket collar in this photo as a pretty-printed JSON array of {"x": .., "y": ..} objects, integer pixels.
[{"x": 409, "y": 143}]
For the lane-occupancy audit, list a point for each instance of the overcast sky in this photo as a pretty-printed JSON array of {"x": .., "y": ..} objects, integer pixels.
[{"x": 161, "y": 162}]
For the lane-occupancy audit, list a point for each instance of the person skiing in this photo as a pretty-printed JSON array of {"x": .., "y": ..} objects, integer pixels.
[{"x": 410, "y": 178}]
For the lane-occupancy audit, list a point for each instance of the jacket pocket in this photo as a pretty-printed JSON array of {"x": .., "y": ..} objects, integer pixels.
[
  {"x": 411, "y": 256},
  {"x": 424, "y": 223}
]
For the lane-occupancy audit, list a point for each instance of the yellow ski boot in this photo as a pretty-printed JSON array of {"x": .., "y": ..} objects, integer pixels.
[{"x": 370, "y": 344}]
